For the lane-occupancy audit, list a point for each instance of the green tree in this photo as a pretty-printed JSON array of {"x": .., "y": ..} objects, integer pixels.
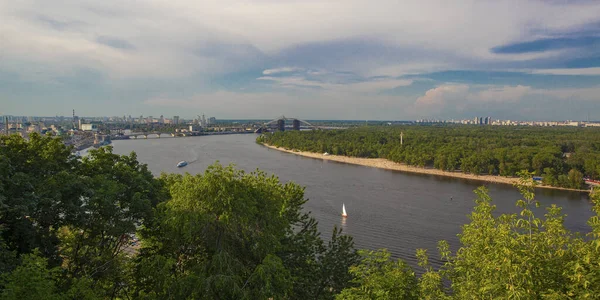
[
  {"x": 575, "y": 179},
  {"x": 31, "y": 280},
  {"x": 379, "y": 277},
  {"x": 39, "y": 193},
  {"x": 229, "y": 234},
  {"x": 120, "y": 195}
]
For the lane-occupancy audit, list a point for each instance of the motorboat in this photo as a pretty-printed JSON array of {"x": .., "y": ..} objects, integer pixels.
[
  {"x": 182, "y": 164},
  {"x": 344, "y": 214}
]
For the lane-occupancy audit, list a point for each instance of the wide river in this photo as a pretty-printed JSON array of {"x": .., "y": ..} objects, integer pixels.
[{"x": 386, "y": 209}]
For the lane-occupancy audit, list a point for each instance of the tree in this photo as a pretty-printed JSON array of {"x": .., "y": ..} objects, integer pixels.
[
  {"x": 229, "y": 234},
  {"x": 575, "y": 179},
  {"x": 379, "y": 277},
  {"x": 472, "y": 149},
  {"x": 31, "y": 280},
  {"x": 39, "y": 193},
  {"x": 516, "y": 256},
  {"x": 120, "y": 195}
]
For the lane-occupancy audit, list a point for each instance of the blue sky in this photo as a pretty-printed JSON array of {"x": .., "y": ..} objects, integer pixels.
[{"x": 389, "y": 60}]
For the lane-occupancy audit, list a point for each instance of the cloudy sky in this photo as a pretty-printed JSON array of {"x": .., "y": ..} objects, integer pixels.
[{"x": 343, "y": 59}]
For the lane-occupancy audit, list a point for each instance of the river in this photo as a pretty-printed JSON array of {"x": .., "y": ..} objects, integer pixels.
[{"x": 386, "y": 209}]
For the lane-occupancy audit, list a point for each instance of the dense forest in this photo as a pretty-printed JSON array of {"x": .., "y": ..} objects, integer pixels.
[
  {"x": 103, "y": 227},
  {"x": 563, "y": 156}
]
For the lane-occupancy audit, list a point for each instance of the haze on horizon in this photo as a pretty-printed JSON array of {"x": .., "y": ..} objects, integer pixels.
[{"x": 350, "y": 59}]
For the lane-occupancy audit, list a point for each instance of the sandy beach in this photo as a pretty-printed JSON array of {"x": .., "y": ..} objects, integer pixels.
[{"x": 390, "y": 165}]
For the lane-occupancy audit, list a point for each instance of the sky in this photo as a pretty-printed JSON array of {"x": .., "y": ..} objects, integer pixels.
[{"x": 342, "y": 59}]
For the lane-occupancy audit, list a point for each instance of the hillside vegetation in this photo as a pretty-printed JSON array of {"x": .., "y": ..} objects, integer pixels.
[{"x": 66, "y": 222}]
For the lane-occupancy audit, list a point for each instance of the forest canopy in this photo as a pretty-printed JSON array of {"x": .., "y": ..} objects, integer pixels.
[
  {"x": 103, "y": 227},
  {"x": 562, "y": 156}
]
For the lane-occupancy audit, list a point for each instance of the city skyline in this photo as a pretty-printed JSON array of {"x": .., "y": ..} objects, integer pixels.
[{"x": 356, "y": 60}]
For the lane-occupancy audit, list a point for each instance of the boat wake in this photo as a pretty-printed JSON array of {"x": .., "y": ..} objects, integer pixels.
[{"x": 195, "y": 155}]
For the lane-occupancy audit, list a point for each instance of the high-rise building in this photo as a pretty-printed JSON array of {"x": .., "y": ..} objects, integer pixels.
[{"x": 176, "y": 120}]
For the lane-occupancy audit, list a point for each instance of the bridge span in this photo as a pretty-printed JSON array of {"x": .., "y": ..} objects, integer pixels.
[{"x": 279, "y": 124}]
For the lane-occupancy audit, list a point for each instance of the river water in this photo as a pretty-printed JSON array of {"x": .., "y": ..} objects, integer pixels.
[{"x": 386, "y": 209}]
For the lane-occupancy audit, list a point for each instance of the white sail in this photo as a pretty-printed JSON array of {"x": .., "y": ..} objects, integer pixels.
[{"x": 344, "y": 210}]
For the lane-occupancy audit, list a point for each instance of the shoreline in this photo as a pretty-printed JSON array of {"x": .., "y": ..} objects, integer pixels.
[{"x": 382, "y": 163}]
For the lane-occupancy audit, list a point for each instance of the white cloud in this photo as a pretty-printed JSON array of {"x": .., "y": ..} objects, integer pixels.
[
  {"x": 186, "y": 45},
  {"x": 281, "y": 70},
  {"x": 333, "y": 105},
  {"x": 407, "y": 68},
  {"x": 449, "y": 101},
  {"x": 435, "y": 100},
  {"x": 503, "y": 94},
  {"x": 359, "y": 87},
  {"x": 167, "y": 34},
  {"x": 445, "y": 101},
  {"x": 574, "y": 71}
]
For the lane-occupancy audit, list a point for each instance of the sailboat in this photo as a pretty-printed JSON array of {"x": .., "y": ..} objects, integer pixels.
[{"x": 344, "y": 214}]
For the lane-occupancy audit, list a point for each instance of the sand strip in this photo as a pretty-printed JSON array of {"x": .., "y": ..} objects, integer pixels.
[{"x": 390, "y": 165}]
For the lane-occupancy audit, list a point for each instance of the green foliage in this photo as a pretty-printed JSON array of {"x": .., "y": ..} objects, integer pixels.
[
  {"x": 31, "y": 280},
  {"x": 221, "y": 234},
  {"x": 379, "y": 277},
  {"x": 75, "y": 212},
  {"x": 120, "y": 194},
  {"x": 228, "y": 234},
  {"x": 38, "y": 193},
  {"x": 517, "y": 256},
  {"x": 562, "y": 156}
]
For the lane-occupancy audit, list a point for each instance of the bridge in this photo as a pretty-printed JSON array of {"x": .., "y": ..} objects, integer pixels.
[
  {"x": 157, "y": 135},
  {"x": 135, "y": 135},
  {"x": 279, "y": 124}
]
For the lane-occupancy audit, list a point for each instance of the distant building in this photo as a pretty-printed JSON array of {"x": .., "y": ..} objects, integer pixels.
[
  {"x": 33, "y": 128},
  {"x": 176, "y": 120},
  {"x": 89, "y": 127},
  {"x": 194, "y": 128},
  {"x": 212, "y": 120}
]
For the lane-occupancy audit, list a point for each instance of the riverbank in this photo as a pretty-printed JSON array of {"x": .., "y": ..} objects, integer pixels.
[{"x": 390, "y": 165}]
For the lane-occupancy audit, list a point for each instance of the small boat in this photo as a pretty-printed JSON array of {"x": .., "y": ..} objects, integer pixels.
[
  {"x": 182, "y": 163},
  {"x": 344, "y": 214},
  {"x": 325, "y": 154}
]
